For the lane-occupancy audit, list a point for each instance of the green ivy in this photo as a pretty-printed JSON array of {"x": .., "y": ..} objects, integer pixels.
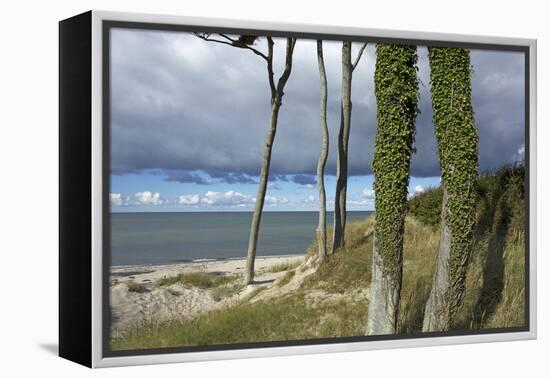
[
  {"x": 396, "y": 89},
  {"x": 457, "y": 141}
]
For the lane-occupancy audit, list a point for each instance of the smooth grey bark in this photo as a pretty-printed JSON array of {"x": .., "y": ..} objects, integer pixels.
[
  {"x": 339, "y": 197},
  {"x": 385, "y": 294},
  {"x": 435, "y": 318},
  {"x": 276, "y": 102},
  {"x": 338, "y": 239},
  {"x": 342, "y": 157},
  {"x": 322, "y": 227},
  {"x": 277, "y": 92}
]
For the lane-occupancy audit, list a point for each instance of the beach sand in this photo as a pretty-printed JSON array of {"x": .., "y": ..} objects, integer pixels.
[{"x": 178, "y": 301}]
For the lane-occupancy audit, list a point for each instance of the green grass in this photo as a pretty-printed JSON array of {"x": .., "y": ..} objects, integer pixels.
[
  {"x": 286, "y": 278},
  {"x": 255, "y": 292},
  {"x": 281, "y": 267},
  {"x": 348, "y": 268},
  {"x": 227, "y": 290},
  {"x": 198, "y": 279},
  {"x": 279, "y": 319},
  {"x": 495, "y": 295}
]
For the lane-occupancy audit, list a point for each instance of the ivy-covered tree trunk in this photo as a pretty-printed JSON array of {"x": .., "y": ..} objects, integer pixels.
[
  {"x": 322, "y": 227},
  {"x": 342, "y": 157},
  {"x": 457, "y": 141},
  {"x": 396, "y": 90}
]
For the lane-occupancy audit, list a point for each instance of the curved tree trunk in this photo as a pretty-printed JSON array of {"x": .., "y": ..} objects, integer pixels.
[
  {"x": 276, "y": 102},
  {"x": 396, "y": 89},
  {"x": 450, "y": 74},
  {"x": 338, "y": 240},
  {"x": 322, "y": 227}
]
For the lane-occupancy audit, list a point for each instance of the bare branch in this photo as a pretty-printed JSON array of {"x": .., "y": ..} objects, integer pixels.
[
  {"x": 231, "y": 42},
  {"x": 270, "y": 72},
  {"x": 290, "y": 42},
  {"x": 359, "y": 54},
  {"x": 206, "y": 37}
]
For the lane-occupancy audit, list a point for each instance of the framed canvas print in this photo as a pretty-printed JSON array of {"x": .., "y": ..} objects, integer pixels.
[{"x": 235, "y": 188}]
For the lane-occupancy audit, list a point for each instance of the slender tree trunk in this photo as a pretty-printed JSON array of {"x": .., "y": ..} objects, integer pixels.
[
  {"x": 434, "y": 318},
  {"x": 396, "y": 89},
  {"x": 260, "y": 196},
  {"x": 338, "y": 240},
  {"x": 450, "y": 74},
  {"x": 276, "y": 102},
  {"x": 322, "y": 227}
]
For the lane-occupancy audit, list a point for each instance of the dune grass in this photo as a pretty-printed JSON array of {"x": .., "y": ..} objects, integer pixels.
[
  {"x": 227, "y": 290},
  {"x": 279, "y": 319},
  {"x": 201, "y": 280},
  {"x": 281, "y": 267},
  {"x": 494, "y": 298},
  {"x": 286, "y": 278}
]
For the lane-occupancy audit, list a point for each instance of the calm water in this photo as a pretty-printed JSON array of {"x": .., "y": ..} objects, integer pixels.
[{"x": 155, "y": 238}]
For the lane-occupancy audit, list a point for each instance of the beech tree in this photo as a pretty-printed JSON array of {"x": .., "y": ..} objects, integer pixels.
[
  {"x": 343, "y": 142},
  {"x": 277, "y": 92},
  {"x": 457, "y": 142},
  {"x": 396, "y": 90},
  {"x": 322, "y": 227}
]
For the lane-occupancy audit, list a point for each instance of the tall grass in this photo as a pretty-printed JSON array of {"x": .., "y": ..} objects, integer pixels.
[
  {"x": 198, "y": 279},
  {"x": 281, "y": 267}
]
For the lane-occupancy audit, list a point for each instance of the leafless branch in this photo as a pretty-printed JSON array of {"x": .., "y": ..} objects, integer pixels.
[
  {"x": 359, "y": 54},
  {"x": 290, "y": 43},
  {"x": 231, "y": 42},
  {"x": 270, "y": 72}
]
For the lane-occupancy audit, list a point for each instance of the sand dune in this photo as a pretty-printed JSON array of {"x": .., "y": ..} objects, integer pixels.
[{"x": 152, "y": 302}]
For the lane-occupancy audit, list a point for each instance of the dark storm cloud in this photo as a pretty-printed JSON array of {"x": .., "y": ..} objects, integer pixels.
[
  {"x": 304, "y": 179},
  {"x": 231, "y": 177},
  {"x": 181, "y": 106},
  {"x": 186, "y": 177}
]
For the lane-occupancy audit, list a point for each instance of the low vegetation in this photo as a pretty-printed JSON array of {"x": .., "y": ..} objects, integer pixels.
[
  {"x": 226, "y": 290},
  {"x": 201, "y": 280},
  {"x": 286, "y": 278},
  {"x": 139, "y": 288},
  {"x": 284, "y": 266},
  {"x": 333, "y": 301}
]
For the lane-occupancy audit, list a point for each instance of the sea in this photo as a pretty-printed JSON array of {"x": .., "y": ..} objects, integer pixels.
[{"x": 162, "y": 238}]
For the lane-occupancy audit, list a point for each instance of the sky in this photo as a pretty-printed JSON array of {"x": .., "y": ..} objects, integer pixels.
[{"x": 189, "y": 119}]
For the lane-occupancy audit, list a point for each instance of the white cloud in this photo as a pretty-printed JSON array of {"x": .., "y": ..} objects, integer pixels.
[
  {"x": 418, "y": 189},
  {"x": 273, "y": 186},
  {"x": 519, "y": 156},
  {"x": 229, "y": 198},
  {"x": 270, "y": 200},
  {"x": 117, "y": 199},
  {"x": 310, "y": 200},
  {"x": 364, "y": 198},
  {"x": 189, "y": 199},
  {"x": 148, "y": 198},
  {"x": 368, "y": 193}
]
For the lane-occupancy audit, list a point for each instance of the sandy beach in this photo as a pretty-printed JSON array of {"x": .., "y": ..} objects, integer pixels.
[{"x": 137, "y": 294}]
